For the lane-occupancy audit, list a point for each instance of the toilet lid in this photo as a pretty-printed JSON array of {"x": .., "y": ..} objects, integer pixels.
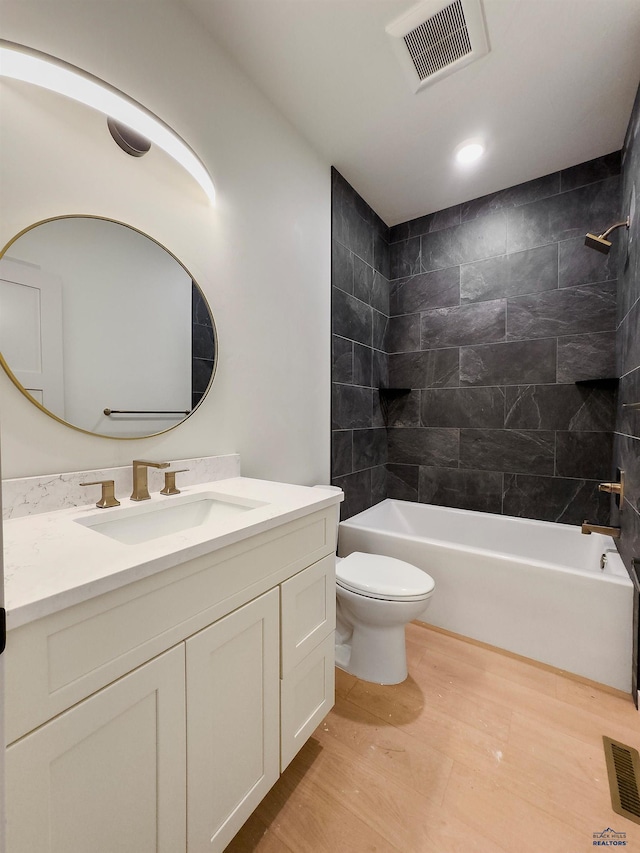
[{"x": 383, "y": 577}]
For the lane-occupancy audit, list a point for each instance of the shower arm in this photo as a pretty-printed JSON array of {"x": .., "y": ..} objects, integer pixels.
[{"x": 613, "y": 228}]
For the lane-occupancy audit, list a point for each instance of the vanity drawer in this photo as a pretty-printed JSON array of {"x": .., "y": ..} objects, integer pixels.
[
  {"x": 56, "y": 661},
  {"x": 308, "y": 611},
  {"x": 307, "y": 694}
]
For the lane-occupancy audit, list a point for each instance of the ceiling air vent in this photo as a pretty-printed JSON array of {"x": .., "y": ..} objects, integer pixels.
[{"x": 436, "y": 38}]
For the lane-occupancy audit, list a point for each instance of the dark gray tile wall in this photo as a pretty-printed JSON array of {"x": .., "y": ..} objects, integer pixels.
[
  {"x": 487, "y": 314},
  {"x": 627, "y": 428},
  {"x": 203, "y": 346},
  {"x": 496, "y": 309},
  {"x": 360, "y": 313}
]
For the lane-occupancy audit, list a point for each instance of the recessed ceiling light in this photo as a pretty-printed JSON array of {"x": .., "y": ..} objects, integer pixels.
[{"x": 469, "y": 151}]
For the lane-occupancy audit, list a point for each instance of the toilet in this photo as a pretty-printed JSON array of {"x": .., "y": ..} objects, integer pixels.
[{"x": 376, "y": 596}]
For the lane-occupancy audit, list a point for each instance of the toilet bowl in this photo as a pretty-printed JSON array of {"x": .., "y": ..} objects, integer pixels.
[{"x": 376, "y": 597}]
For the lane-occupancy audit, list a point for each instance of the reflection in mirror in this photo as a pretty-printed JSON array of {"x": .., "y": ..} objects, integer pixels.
[{"x": 95, "y": 316}]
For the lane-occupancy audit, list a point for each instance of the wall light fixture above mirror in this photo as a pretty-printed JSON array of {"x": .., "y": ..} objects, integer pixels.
[
  {"x": 103, "y": 328},
  {"x": 32, "y": 66}
]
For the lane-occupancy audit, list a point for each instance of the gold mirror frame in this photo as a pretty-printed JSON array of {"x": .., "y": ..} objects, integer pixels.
[{"x": 57, "y": 418}]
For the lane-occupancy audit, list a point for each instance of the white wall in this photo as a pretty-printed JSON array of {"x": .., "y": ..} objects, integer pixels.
[
  {"x": 261, "y": 255},
  {"x": 2, "y": 701}
]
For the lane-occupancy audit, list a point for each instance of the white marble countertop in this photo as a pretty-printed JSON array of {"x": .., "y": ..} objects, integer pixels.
[{"x": 51, "y": 561}]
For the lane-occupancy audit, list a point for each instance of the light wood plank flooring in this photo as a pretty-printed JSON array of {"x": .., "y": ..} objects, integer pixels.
[{"x": 476, "y": 752}]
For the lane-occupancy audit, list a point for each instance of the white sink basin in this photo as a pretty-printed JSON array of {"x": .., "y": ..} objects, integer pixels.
[{"x": 136, "y": 524}]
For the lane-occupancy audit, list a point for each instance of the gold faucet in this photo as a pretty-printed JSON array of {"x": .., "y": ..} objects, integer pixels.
[
  {"x": 587, "y": 528},
  {"x": 140, "y": 486}
]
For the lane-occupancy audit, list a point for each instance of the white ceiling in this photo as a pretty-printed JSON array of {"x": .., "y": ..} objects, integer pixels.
[{"x": 556, "y": 89}]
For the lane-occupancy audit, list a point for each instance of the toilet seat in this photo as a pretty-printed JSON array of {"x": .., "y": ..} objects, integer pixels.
[{"x": 377, "y": 576}]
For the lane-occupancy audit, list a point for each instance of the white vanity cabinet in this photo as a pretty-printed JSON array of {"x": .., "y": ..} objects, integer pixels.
[{"x": 154, "y": 718}]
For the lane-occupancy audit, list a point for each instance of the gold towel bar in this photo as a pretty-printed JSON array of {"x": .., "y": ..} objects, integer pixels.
[{"x": 108, "y": 412}]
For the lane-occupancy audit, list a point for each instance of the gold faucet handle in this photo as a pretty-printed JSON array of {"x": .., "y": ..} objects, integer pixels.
[
  {"x": 170, "y": 482},
  {"x": 616, "y": 489},
  {"x": 108, "y": 497}
]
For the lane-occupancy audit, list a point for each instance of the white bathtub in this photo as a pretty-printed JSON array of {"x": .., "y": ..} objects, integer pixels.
[{"x": 532, "y": 587}]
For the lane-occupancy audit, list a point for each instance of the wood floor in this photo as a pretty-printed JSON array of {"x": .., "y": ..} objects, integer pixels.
[{"x": 477, "y": 752}]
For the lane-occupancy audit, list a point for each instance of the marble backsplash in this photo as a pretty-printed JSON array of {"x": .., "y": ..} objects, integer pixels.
[{"x": 30, "y": 495}]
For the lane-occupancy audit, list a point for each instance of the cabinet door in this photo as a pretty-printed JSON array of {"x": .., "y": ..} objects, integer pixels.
[
  {"x": 307, "y": 696},
  {"x": 232, "y": 721},
  {"x": 108, "y": 774}
]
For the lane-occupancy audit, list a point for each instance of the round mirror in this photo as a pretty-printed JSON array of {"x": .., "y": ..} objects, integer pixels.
[{"x": 103, "y": 328}]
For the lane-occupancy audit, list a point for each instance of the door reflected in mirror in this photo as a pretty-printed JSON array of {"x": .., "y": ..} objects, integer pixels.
[{"x": 103, "y": 328}]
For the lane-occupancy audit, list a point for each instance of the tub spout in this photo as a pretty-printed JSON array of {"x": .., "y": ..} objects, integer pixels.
[{"x": 587, "y": 528}]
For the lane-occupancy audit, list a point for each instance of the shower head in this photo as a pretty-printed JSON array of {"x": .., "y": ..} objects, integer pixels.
[{"x": 599, "y": 242}]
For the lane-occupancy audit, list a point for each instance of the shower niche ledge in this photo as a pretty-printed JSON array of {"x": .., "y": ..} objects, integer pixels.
[{"x": 606, "y": 382}]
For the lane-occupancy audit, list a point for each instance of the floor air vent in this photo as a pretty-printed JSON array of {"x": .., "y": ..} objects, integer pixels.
[
  {"x": 623, "y": 769},
  {"x": 436, "y": 38}
]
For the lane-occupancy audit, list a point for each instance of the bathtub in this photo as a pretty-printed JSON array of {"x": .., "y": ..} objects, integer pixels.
[{"x": 531, "y": 587}]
